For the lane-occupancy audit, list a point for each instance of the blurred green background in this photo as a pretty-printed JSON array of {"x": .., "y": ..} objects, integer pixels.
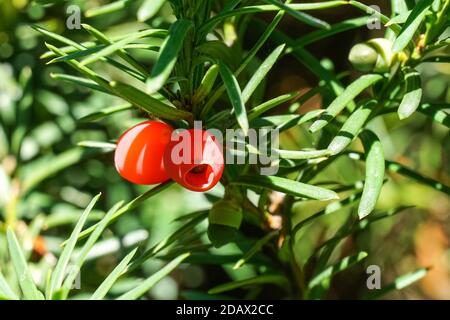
[{"x": 46, "y": 179}]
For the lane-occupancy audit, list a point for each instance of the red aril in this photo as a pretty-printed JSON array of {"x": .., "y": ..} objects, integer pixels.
[
  {"x": 139, "y": 154},
  {"x": 194, "y": 159}
]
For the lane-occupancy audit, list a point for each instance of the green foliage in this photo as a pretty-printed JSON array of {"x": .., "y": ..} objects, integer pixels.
[
  {"x": 162, "y": 59},
  {"x": 68, "y": 267}
]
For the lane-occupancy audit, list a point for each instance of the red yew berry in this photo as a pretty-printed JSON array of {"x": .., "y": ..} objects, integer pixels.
[
  {"x": 140, "y": 150},
  {"x": 194, "y": 159}
]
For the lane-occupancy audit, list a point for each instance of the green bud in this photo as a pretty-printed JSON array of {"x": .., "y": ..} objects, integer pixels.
[
  {"x": 363, "y": 57},
  {"x": 374, "y": 55},
  {"x": 226, "y": 212},
  {"x": 220, "y": 235},
  {"x": 385, "y": 55},
  {"x": 225, "y": 218}
]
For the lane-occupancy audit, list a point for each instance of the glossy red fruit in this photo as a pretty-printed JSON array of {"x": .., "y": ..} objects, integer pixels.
[
  {"x": 140, "y": 150},
  {"x": 194, "y": 159}
]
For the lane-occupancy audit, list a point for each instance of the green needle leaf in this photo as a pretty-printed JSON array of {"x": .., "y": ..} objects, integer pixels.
[
  {"x": 148, "y": 103},
  {"x": 217, "y": 50},
  {"x": 263, "y": 279},
  {"x": 437, "y": 113},
  {"x": 399, "y": 19},
  {"x": 374, "y": 13},
  {"x": 351, "y": 92},
  {"x": 206, "y": 85},
  {"x": 413, "y": 96},
  {"x": 360, "y": 226},
  {"x": 149, "y": 8},
  {"x": 129, "y": 206},
  {"x": 80, "y": 81},
  {"x": 284, "y": 185},
  {"x": 399, "y": 283},
  {"x": 209, "y": 24},
  {"x": 168, "y": 55},
  {"x": 270, "y": 104},
  {"x": 80, "y": 51},
  {"x": 297, "y": 120},
  {"x": 81, "y": 258},
  {"x": 147, "y": 284},
  {"x": 335, "y": 29},
  {"x": 331, "y": 208},
  {"x": 59, "y": 272},
  {"x": 235, "y": 95},
  {"x": 83, "y": 70},
  {"x": 375, "y": 167},
  {"x": 437, "y": 59},
  {"x": 121, "y": 52},
  {"x": 255, "y": 249},
  {"x": 107, "y": 8},
  {"x": 340, "y": 266},
  {"x": 250, "y": 55},
  {"x": 58, "y": 37},
  {"x": 274, "y": 121},
  {"x": 404, "y": 171},
  {"x": 5, "y": 290},
  {"x": 301, "y": 154},
  {"x": 106, "y": 112},
  {"x": 26, "y": 282},
  {"x": 411, "y": 25},
  {"x": 261, "y": 73},
  {"x": 34, "y": 173},
  {"x": 351, "y": 127},
  {"x": 312, "y": 63},
  {"x": 77, "y": 54},
  {"x": 118, "y": 271},
  {"x": 301, "y": 16},
  {"x": 108, "y": 50},
  {"x": 184, "y": 229}
]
